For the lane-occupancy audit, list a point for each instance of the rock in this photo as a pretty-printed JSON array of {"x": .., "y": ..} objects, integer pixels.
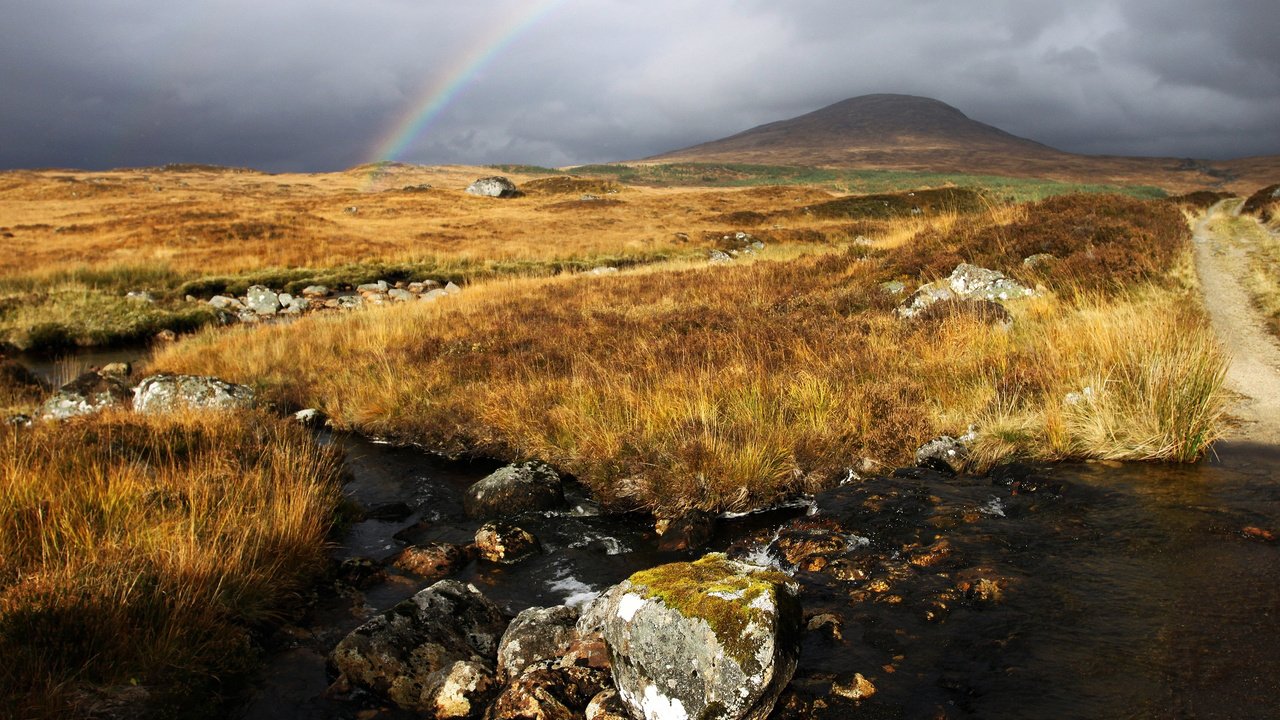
[
  {"x": 430, "y": 653},
  {"x": 513, "y": 490},
  {"x": 166, "y": 393},
  {"x": 433, "y": 561},
  {"x": 285, "y": 299},
  {"x": 315, "y": 291},
  {"x": 811, "y": 544},
  {"x": 719, "y": 257},
  {"x": 966, "y": 282},
  {"x": 350, "y": 302},
  {"x": 375, "y": 287},
  {"x": 504, "y": 543},
  {"x": 351, "y": 209},
  {"x": 222, "y": 302},
  {"x": 434, "y": 294},
  {"x": 713, "y": 639},
  {"x": 946, "y": 454},
  {"x": 360, "y": 573},
  {"x": 498, "y": 187},
  {"x": 893, "y": 287},
  {"x": 247, "y": 316},
  {"x": 311, "y": 418},
  {"x": 19, "y": 420},
  {"x": 602, "y": 270},
  {"x": 401, "y": 295},
  {"x": 90, "y": 393},
  {"x": 262, "y": 300},
  {"x": 606, "y": 705},
  {"x": 536, "y": 635},
  {"x": 1039, "y": 260},
  {"x": 140, "y": 296},
  {"x": 546, "y": 692},
  {"x": 117, "y": 369},
  {"x": 165, "y": 336},
  {"x": 858, "y": 688},
  {"x": 687, "y": 532},
  {"x": 297, "y": 306},
  {"x": 452, "y": 289}
]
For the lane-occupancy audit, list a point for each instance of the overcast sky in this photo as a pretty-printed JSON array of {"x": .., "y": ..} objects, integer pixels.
[{"x": 321, "y": 84}]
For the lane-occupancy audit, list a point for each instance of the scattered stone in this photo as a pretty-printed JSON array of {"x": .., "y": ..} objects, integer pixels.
[
  {"x": 858, "y": 688},
  {"x": 410, "y": 653},
  {"x": 311, "y": 418},
  {"x": 165, "y": 336},
  {"x": 19, "y": 420},
  {"x": 434, "y": 294},
  {"x": 966, "y": 282},
  {"x": 497, "y": 187},
  {"x": 1039, "y": 260},
  {"x": 502, "y": 542},
  {"x": 374, "y": 287},
  {"x": 166, "y": 393},
  {"x": 826, "y": 623},
  {"x": 140, "y": 296},
  {"x": 893, "y": 287},
  {"x": 946, "y": 454},
  {"x": 351, "y": 209},
  {"x": 433, "y": 561},
  {"x": 452, "y": 289},
  {"x": 90, "y": 393},
  {"x": 315, "y": 291},
  {"x": 719, "y": 257},
  {"x": 687, "y": 532},
  {"x": 285, "y": 299},
  {"x": 222, "y": 302},
  {"x": 602, "y": 270},
  {"x": 401, "y": 295},
  {"x": 547, "y": 692},
  {"x": 515, "y": 489},
  {"x": 262, "y": 300},
  {"x": 712, "y": 639},
  {"x": 536, "y": 635},
  {"x": 350, "y": 302},
  {"x": 360, "y": 573},
  {"x": 117, "y": 369}
]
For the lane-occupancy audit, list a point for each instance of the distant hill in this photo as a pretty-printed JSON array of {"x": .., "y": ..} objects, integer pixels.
[{"x": 905, "y": 132}]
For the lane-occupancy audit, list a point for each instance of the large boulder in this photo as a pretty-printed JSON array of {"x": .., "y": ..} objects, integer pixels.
[
  {"x": 432, "y": 653},
  {"x": 515, "y": 489},
  {"x": 166, "y": 393},
  {"x": 713, "y": 639},
  {"x": 498, "y": 187},
  {"x": 90, "y": 393},
  {"x": 966, "y": 282},
  {"x": 535, "y": 635}
]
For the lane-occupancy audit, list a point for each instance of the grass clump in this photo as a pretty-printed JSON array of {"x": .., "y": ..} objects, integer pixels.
[
  {"x": 73, "y": 314},
  {"x": 146, "y": 552}
]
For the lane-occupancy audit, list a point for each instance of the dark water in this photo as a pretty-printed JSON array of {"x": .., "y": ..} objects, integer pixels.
[
  {"x": 60, "y": 369},
  {"x": 1124, "y": 591}
]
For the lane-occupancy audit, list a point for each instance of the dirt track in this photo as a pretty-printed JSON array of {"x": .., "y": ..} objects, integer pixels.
[{"x": 1254, "y": 372}]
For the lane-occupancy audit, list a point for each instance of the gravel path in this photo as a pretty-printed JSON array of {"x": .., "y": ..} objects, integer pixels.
[{"x": 1254, "y": 372}]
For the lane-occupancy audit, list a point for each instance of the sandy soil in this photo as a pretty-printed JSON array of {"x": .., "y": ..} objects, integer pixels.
[{"x": 1254, "y": 372}]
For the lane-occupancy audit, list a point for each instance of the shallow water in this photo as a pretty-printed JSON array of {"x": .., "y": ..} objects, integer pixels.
[{"x": 1132, "y": 591}]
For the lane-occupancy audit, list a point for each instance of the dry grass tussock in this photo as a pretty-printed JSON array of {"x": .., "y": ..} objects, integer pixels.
[
  {"x": 141, "y": 551},
  {"x": 728, "y": 387}
]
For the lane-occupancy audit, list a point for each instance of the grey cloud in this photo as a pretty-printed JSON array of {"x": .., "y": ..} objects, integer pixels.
[{"x": 316, "y": 84}]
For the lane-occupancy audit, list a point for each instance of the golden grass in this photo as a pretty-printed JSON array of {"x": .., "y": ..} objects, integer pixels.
[
  {"x": 145, "y": 551},
  {"x": 729, "y": 387}
]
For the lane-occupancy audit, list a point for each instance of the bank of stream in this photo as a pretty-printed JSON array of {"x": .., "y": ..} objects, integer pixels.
[{"x": 1068, "y": 591}]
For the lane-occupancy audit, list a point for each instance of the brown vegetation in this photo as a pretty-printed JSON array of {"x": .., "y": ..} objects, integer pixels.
[
  {"x": 138, "y": 555},
  {"x": 729, "y": 387}
]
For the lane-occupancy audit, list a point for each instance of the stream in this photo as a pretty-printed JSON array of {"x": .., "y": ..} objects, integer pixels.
[{"x": 1111, "y": 591}]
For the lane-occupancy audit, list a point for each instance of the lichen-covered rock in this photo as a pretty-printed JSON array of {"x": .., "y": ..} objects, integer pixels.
[
  {"x": 410, "y": 653},
  {"x": 90, "y": 393},
  {"x": 502, "y": 542},
  {"x": 167, "y": 393},
  {"x": 537, "y": 634},
  {"x": 315, "y": 291},
  {"x": 515, "y": 489},
  {"x": 547, "y": 692},
  {"x": 606, "y": 705},
  {"x": 713, "y": 639},
  {"x": 946, "y": 454},
  {"x": 262, "y": 300},
  {"x": 497, "y": 186},
  {"x": 380, "y": 286},
  {"x": 399, "y": 295},
  {"x": 432, "y": 561},
  {"x": 311, "y": 418},
  {"x": 967, "y": 282}
]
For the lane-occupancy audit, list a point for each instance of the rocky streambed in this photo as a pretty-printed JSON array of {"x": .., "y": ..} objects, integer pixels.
[{"x": 1093, "y": 590}]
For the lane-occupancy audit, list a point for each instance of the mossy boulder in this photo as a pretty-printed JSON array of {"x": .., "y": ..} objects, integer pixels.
[{"x": 713, "y": 639}]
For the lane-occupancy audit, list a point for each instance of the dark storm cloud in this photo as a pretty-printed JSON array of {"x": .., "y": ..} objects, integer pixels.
[{"x": 317, "y": 84}]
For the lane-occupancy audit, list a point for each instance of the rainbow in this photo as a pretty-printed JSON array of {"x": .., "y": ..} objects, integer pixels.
[{"x": 448, "y": 84}]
